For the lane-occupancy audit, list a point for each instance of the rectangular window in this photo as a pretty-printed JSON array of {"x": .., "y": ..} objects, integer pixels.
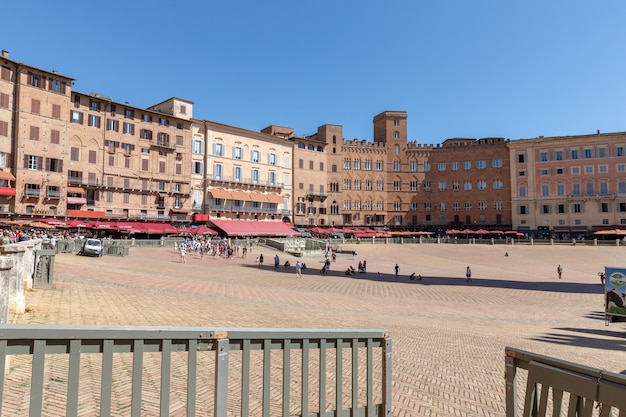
[
  {"x": 441, "y": 166},
  {"x": 32, "y": 162},
  {"x": 113, "y": 125},
  {"x": 256, "y": 156},
  {"x": 481, "y": 164},
  {"x": 543, "y": 156},
  {"x": 197, "y": 167},
  {"x": 76, "y": 117},
  {"x": 34, "y": 133},
  {"x": 560, "y": 189},
  {"x": 55, "y": 136},
  {"x": 218, "y": 171},
  {"x": 496, "y": 163},
  {"x": 576, "y": 189},
  {"x": 56, "y": 111},
  {"x": 4, "y": 101},
  {"x": 558, "y": 155},
  {"x": 93, "y": 121},
  {"x": 237, "y": 174},
  {"x": 271, "y": 158},
  {"x": 574, "y": 154},
  {"x": 197, "y": 146},
  {"x": 4, "y": 128},
  {"x": 426, "y": 167},
  {"x": 237, "y": 152},
  {"x": 129, "y": 128}
]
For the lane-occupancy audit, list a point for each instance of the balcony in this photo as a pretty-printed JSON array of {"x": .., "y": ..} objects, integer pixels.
[
  {"x": 32, "y": 193},
  {"x": 232, "y": 180},
  {"x": 316, "y": 195},
  {"x": 231, "y": 208},
  {"x": 56, "y": 194},
  {"x": 163, "y": 144}
]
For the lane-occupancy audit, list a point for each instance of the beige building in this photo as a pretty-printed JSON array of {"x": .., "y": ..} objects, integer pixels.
[
  {"x": 238, "y": 174},
  {"x": 568, "y": 185}
]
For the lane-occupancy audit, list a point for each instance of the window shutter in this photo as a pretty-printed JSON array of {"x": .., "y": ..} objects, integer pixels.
[
  {"x": 25, "y": 161},
  {"x": 60, "y": 165}
]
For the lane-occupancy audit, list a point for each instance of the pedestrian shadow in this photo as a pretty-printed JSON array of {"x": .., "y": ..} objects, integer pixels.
[
  {"x": 590, "y": 338},
  {"x": 557, "y": 286}
]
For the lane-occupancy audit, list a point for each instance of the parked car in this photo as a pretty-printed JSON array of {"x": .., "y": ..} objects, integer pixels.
[{"x": 92, "y": 247}]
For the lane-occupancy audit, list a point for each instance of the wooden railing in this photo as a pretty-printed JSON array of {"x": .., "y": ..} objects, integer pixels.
[
  {"x": 78, "y": 370},
  {"x": 559, "y": 388}
]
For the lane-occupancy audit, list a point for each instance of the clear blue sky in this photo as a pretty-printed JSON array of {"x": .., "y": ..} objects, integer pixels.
[{"x": 460, "y": 68}]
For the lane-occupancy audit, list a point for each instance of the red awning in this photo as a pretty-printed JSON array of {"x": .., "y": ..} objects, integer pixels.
[
  {"x": 7, "y": 191},
  {"x": 198, "y": 217},
  {"x": 254, "y": 228}
]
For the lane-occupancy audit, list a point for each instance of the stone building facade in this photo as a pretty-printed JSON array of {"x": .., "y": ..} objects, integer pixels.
[{"x": 69, "y": 154}]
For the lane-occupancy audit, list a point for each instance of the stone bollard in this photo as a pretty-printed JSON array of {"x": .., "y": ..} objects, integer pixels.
[
  {"x": 6, "y": 266},
  {"x": 16, "y": 297},
  {"x": 29, "y": 262}
]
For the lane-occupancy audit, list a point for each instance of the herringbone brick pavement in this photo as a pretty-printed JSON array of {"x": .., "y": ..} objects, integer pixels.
[{"x": 448, "y": 335}]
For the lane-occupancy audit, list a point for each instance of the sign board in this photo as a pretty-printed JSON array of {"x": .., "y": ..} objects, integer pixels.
[{"x": 615, "y": 292}]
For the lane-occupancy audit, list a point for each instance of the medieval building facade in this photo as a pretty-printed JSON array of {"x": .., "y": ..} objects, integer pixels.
[{"x": 69, "y": 154}]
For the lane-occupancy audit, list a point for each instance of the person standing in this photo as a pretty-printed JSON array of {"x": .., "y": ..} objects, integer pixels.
[
  {"x": 183, "y": 253},
  {"x": 397, "y": 269},
  {"x": 468, "y": 274},
  {"x": 276, "y": 261},
  {"x": 260, "y": 260},
  {"x": 559, "y": 270},
  {"x": 298, "y": 270}
]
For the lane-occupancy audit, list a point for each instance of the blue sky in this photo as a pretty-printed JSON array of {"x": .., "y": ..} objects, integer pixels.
[{"x": 508, "y": 68}]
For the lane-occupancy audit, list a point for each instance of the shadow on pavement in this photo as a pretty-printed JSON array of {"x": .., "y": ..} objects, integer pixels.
[{"x": 549, "y": 286}]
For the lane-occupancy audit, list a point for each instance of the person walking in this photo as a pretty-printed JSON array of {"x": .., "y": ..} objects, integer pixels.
[
  {"x": 276, "y": 261},
  {"x": 260, "y": 260},
  {"x": 397, "y": 269},
  {"x": 298, "y": 270},
  {"x": 468, "y": 274},
  {"x": 559, "y": 270}
]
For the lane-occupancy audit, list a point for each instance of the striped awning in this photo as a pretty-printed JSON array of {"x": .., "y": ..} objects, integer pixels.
[
  {"x": 224, "y": 194},
  {"x": 76, "y": 190}
]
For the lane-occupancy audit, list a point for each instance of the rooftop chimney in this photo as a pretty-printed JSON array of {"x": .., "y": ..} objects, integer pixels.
[{"x": 5, "y": 53}]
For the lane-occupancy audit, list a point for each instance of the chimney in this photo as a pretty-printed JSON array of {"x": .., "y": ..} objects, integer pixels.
[
  {"x": 598, "y": 131},
  {"x": 5, "y": 54}
]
